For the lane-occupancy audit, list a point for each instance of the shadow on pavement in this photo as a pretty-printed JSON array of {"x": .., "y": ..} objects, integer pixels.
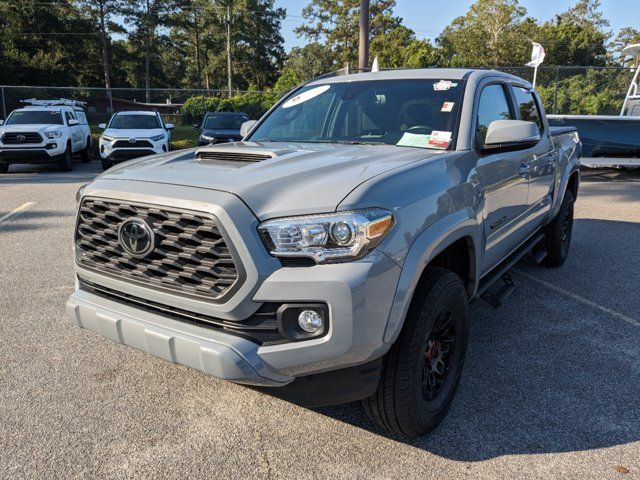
[
  {"x": 31, "y": 220},
  {"x": 544, "y": 373}
]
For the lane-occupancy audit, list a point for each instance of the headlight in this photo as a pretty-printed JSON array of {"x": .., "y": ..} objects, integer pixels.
[
  {"x": 107, "y": 138},
  {"x": 157, "y": 138},
  {"x": 327, "y": 238},
  {"x": 80, "y": 192},
  {"x": 53, "y": 134},
  {"x": 206, "y": 138}
]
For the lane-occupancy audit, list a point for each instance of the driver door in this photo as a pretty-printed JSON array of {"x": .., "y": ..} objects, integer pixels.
[{"x": 502, "y": 178}]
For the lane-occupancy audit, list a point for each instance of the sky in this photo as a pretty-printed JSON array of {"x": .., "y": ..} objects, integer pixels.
[{"x": 429, "y": 17}]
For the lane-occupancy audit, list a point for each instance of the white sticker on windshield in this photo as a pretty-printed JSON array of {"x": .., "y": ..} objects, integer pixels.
[
  {"x": 304, "y": 96},
  {"x": 439, "y": 139},
  {"x": 444, "y": 85}
]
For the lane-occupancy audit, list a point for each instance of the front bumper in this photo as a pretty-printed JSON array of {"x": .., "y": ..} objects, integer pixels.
[
  {"x": 121, "y": 154},
  {"x": 216, "y": 353},
  {"x": 358, "y": 296},
  {"x": 31, "y": 154}
]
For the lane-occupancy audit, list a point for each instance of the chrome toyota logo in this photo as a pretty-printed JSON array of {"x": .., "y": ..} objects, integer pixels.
[
  {"x": 133, "y": 140},
  {"x": 136, "y": 237},
  {"x": 21, "y": 138}
]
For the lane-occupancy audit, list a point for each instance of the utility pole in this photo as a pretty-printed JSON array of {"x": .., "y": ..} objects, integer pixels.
[
  {"x": 229, "y": 73},
  {"x": 363, "y": 50}
]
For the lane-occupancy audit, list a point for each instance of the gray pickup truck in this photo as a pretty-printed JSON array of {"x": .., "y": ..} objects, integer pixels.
[{"x": 332, "y": 254}]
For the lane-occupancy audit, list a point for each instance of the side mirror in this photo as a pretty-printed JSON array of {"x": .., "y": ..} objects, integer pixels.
[
  {"x": 73, "y": 122},
  {"x": 246, "y": 127},
  {"x": 196, "y": 126},
  {"x": 1, "y": 122},
  {"x": 503, "y": 135},
  {"x": 102, "y": 126},
  {"x": 169, "y": 126}
]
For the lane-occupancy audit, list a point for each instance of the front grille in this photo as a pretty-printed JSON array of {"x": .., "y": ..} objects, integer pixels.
[
  {"x": 136, "y": 144},
  {"x": 18, "y": 138},
  {"x": 261, "y": 327},
  {"x": 232, "y": 156},
  {"x": 191, "y": 256},
  {"x": 128, "y": 154}
]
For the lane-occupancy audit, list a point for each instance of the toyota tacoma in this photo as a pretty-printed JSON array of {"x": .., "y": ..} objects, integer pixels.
[
  {"x": 331, "y": 255},
  {"x": 46, "y": 131}
]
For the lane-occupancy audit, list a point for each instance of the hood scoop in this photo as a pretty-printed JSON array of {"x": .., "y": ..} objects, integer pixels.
[{"x": 237, "y": 153}]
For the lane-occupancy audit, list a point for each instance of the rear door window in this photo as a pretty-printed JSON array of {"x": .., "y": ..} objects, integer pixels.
[{"x": 527, "y": 106}]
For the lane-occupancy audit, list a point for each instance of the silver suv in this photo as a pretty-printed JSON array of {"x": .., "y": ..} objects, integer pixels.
[{"x": 332, "y": 254}]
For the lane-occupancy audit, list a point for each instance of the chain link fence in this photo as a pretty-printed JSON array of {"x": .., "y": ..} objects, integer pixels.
[
  {"x": 579, "y": 90},
  {"x": 102, "y": 103},
  {"x": 564, "y": 90}
]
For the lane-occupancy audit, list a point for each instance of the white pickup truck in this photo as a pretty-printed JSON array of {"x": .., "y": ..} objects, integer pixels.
[{"x": 46, "y": 131}]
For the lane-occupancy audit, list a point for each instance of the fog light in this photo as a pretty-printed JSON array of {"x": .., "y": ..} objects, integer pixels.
[{"x": 310, "y": 321}]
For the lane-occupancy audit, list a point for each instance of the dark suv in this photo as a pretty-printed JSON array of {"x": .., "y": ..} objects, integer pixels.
[{"x": 220, "y": 127}]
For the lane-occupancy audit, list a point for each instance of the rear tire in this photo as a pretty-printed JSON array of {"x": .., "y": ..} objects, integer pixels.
[
  {"x": 421, "y": 372},
  {"x": 66, "y": 164},
  {"x": 4, "y": 168},
  {"x": 106, "y": 164},
  {"x": 558, "y": 235},
  {"x": 85, "y": 155}
]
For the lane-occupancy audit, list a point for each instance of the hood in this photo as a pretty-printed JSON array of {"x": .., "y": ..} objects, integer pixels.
[
  {"x": 30, "y": 128},
  {"x": 134, "y": 132},
  {"x": 294, "y": 179},
  {"x": 221, "y": 132}
]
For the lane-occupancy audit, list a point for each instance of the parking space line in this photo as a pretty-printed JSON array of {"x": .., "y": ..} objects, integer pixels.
[
  {"x": 580, "y": 299},
  {"x": 17, "y": 210}
]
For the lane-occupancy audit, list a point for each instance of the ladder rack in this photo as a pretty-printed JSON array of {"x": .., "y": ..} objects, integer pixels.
[{"x": 54, "y": 103}]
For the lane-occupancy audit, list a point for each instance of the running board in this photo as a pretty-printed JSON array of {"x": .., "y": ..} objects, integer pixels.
[{"x": 501, "y": 272}]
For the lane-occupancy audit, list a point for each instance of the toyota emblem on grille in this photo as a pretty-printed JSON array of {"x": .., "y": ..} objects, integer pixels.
[
  {"x": 132, "y": 140},
  {"x": 136, "y": 237},
  {"x": 21, "y": 138}
]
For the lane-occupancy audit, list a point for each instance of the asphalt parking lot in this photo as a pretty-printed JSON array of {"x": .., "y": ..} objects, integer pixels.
[{"x": 551, "y": 385}]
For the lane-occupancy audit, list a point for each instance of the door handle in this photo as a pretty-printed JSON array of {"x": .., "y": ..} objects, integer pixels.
[{"x": 524, "y": 170}]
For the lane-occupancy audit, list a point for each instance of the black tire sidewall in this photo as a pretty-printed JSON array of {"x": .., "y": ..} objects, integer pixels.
[
  {"x": 432, "y": 412},
  {"x": 66, "y": 164},
  {"x": 557, "y": 251}
]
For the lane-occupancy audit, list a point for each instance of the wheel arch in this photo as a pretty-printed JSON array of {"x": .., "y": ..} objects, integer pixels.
[{"x": 439, "y": 245}]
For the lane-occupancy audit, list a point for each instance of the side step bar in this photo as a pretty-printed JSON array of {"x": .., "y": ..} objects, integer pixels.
[{"x": 501, "y": 272}]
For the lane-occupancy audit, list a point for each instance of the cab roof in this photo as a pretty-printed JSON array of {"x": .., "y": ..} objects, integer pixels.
[
  {"x": 414, "y": 74},
  {"x": 137, "y": 112}
]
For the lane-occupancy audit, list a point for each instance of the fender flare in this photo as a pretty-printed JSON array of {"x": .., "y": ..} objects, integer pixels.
[
  {"x": 562, "y": 188},
  {"x": 425, "y": 248}
]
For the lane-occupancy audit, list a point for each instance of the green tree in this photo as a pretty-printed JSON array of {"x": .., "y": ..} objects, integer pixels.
[
  {"x": 101, "y": 14},
  {"x": 626, "y": 36},
  {"x": 258, "y": 44},
  {"x": 492, "y": 33},
  {"x": 310, "y": 61},
  {"x": 46, "y": 44},
  {"x": 146, "y": 17},
  {"x": 335, "y": 23},
  {"x": 577, "y": 36}
]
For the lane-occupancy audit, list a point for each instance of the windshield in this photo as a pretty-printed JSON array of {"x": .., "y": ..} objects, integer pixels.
[
  {"x": 409, "y": 113},
  {"x": 135, "y": 122},
  {"x": 33, "y": 117},
  {"x": 230, "y": 122}
]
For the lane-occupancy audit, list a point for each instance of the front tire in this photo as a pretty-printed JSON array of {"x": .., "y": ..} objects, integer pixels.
[
  {"x": 422, "y": 370},
  {"x": 66, "y": 164},
  {"x": 558, "y": 235},
  {"x": 106, "y": 164},
  {"x": 85, "y": 155}
]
